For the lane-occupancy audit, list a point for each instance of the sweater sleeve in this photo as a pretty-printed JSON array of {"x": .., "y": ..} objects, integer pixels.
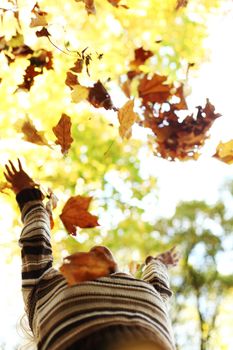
[
  {"x": 156, "y": 273},
  {"x": 36, "y": 251}
]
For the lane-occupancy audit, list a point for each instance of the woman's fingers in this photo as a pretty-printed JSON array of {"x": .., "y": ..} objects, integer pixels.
[
  {"x": 12, "y": 166},
  {"x": 7, "y": 177},
  {"x": 20, "y": 165},
  {"x": 9, "y": 171}
]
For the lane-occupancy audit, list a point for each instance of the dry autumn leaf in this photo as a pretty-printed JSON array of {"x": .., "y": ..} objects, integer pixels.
[
  {"x": 39, "y": 61},
  {"x": 224, "y": 152},
  {"x": 127, "y": 118},
  {"x": 140, "y": 56},
  {"x": 71, "y": 80},
  {"x": 80, "y": 93},
  {"x": 31, "y": 134},
  {"x": 39, "y": 18},
  {"x": 88, "y": 266},
  {"x": 154, "y": 90},
  {"x": 63, "y": 133},
  {"x": 50, "y": 205},
  {"x": 5, "y": 186},
  {"x": 75, "y": 214},
  {"x": 99, "y": 97},
  {"x": 89, "y": 5},
  {"x": 116, "y": 3},
  {"x": 181, "y": 3},
  {"x": 180, "y": 140}
]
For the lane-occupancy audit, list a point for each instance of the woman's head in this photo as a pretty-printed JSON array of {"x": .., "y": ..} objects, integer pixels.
[{"x": 138, "y": 346}]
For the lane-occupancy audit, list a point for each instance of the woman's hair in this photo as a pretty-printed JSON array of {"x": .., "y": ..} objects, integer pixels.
[{"x": 25, "y": 333}]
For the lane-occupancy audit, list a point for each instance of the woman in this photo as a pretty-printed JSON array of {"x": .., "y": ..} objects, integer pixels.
[{"x": 114, "y": 312}]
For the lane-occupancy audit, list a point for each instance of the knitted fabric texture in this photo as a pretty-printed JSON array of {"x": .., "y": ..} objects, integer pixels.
[{"x": 61, "y": 316}]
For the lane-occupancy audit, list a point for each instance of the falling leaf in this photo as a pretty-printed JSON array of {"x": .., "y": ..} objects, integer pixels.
[
  {"x": 99, "y": 97},
  {"x": 141, "y": 56},
  {"x": 89, "y": 5},
  {"x": 31, "y": 134},
  {"x": 39, "y": 17},
  {"x": 224, "y": 152},
  {"x": 127, "y": 118},
  {"x": 126, "y": 88},
  {"x": 181, "y": 3},
  {"x": 180, "y": 94},
  {"x": 39, "y": 61},
  {"x": 88, "y": 266},
  {"x": 180, "y": 140},
  {"x": 78, "y": 66},
  {"x": 75, "y": 213},
  {"x": 154, "y": 89},
  {"x": 42, "y": 32},
  {"x": 5, "y": 186},
  {"x": 51, "y": 205},
  {"x": 63, "y": 133},
  {"x": 80, "y": 93},
  {"x": 116, "y": 3},
  {"x": 71, "y": 80}
]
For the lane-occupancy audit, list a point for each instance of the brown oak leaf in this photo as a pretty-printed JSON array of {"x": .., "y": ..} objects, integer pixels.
[
  {"x": 63, "y": 133},
  {"x": 127, "y": 118},
  {"x": 88, "y": 266},
  {"x": 224, "y": 152},
  {"x": 154, "y": 90},
  {"x": 75, "y": 213},
  {"x": 31, "y": 134},
  {"x": 116, "y": 3}
]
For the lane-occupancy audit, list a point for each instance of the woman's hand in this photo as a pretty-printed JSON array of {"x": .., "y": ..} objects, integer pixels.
[
  {"x": 18, "y": 179},
  {"x": 169, "y": 258}
]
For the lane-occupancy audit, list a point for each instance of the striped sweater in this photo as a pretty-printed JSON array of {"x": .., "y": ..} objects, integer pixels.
[{"x": 60, "y": 316}]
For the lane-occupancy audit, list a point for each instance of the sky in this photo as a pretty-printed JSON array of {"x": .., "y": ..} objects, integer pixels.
[{"x": 176, "y": 181}]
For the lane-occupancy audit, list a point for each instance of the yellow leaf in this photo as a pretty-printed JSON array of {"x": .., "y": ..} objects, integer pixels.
[
  {"x": 224, "y": 152},
  {"x": 127, "y": 118},
  {"x": 79, "y": 93}
]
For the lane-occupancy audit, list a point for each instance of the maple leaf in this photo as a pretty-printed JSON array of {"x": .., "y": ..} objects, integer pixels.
[
  {"x": 154, "y": 89},
  {"x": 31, "y": 134},
  {"x": 224, "y": 152},
  {"x": 181, "y": 140},
  {"x": 63, "y": 133},
  {"x": 88, "y": 266},
  {"x": 181, "y": 3},
  {"x": 75, "y": 213},
  {"x": 99, "y": 97},
  {"x": 39, "y": 17},
  {"x": 127, "y": 118},
  {"x": 79, "y": 93},
  {"x": 140, "y": 56},
  {"x": 89, "y": 5}
]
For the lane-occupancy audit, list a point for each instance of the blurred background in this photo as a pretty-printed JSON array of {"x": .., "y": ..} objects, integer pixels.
[{"x": 145, "y": 204}]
